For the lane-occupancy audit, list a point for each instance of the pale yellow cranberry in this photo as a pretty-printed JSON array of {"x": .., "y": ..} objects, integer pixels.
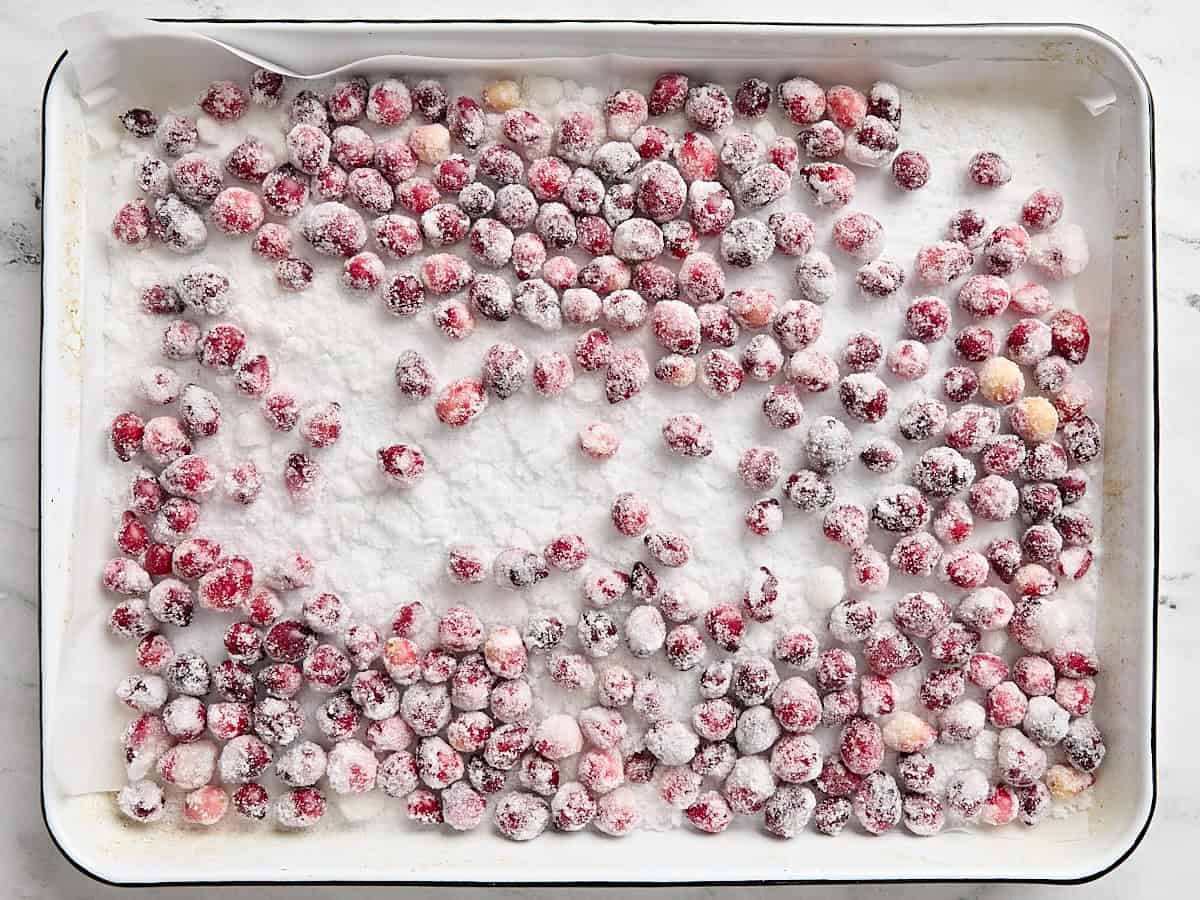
[
  {"x": 753, "y": 307},
  {"x": 1034, "y": 419},
  {"x": 907, "y": 733},
  {"x": 501, "y": 96},
  {"x": 1001, "y": 381},
  {"x": 431, "y": 143},
  {"x": 1065, "y": 783}
]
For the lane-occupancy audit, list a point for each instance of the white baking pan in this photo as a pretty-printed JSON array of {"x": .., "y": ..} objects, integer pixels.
[{"x": 94, "y": 838}]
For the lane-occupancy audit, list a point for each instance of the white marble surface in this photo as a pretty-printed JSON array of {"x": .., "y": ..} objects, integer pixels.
[{"x": 30, "y": 867}]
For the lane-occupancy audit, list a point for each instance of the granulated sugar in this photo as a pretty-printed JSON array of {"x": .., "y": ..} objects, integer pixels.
[{"x": 515, "y": 478}]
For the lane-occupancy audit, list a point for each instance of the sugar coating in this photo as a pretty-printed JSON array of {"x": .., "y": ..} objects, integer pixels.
[{"x": 818, "y": 587}]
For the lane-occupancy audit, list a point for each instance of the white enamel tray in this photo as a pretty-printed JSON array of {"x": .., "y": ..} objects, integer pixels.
[{"x": 94, "y": 838}]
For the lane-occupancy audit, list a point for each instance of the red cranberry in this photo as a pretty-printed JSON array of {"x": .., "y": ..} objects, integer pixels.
[
  {"x": 910, "y": 170},
  {"x": 881, "y": 277},
  {"x": 708, "y": 107},
  {"x": 668, "y": 94},
  {"x": 1006, "y": 249},
  {"x": 176, "y": 135},
  {"x": 652, "y": 142},
  {"x": 1070, "y": 336},
  {"x": 967, "y": 226},
  {"x": 630, "y": 514},
  {"x": 988, "y": 169},
  {"x": 131, "y": 224},
  {"x": 864, "y": 397},
  {"x": 1042, "y": 209}
]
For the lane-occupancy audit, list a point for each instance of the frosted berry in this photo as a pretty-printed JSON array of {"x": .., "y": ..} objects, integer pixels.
[
  {"x": 1061, "y": 253},
  {"x": 762, "y": 186},
  {"x": 466, "y": 121},
  {"x": 910, "y": 170},
  {"x": 308, "y": 148},
  {"x": 599, "y": 440},
  {"x": 389, "y": 103},
  {"x": 986, "y": 670},
  {"x": 881, "y": 277},
  {"x": 517, "y": 569},
  {"x": 1006, "y": 249},
  {"x": 963, "y": 568},
  {"x": 577, "y": 136},
  {"x": 334, "y": 229},
  {"x": 1046, "y": 462},
  {"x": 398, "y": 236},
  {"x": 652, "y": 142},
  {"x": 461, "y": 402},
  {"x": 659, "y": 191},
  {"x": 943, "y": 262},
  {"x": 176, "y": 135},
  {"x": 332, "y": 183},
  {"x": 880, "y": 455},
  {"x": 872, "y": 142},
  {"x": 402, "y": 464},
  {"x": 942, "y": 472},
  {"x": 300, "y": 808},
  {"x": 624, "y": 310},
  {"x": 687, "y": 436},
  {"x": 989, "y": 169},
  {"x": 285, "y": 190}
]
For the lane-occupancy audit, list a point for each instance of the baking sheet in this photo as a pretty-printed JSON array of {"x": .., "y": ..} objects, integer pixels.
[{"x": 949, "y": 120}]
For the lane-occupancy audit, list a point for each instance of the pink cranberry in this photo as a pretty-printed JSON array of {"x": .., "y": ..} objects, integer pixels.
[
  {"x": 139, "y": 122},
  {"x": 881, "y": 277},
  {"x": 126, "y": 435},
  {"x": 864, "y": 397},
  {"x": 398, "y": 236},
  {"x": 708, "y": 107},
  {"x": 988, "y": 169},
  {"x": 161, "y": 299},
  {"x": 909, "y": 360},
  {"x": 293, "y": 275},
  {"x": 822, "y": 140},
  {"x": 334, "y": 229},
  {"x": 660, "y": 191},
  {"x": 417, "y": 195},
  {"x": 389, "y": 103},
  {"x": 652, "y": 142},
  {"x": 710, "y": 208},
  {"x": 176, "y": 135},
  {"x": 802, "y": 101},
  {"x": 668, "y": 94},
  {"x": 251, "y": 161},
  {"x": 872, "y": 143},
  {"x": 1004, "y": 251},
  {"x": 153, "y": 653},
  {"x": 225, "y": 101},
  {"x": 628, "y": 372},
  {"x": 131, "y": 224},
  {"x": 695, "y": 157},
  {"x": 764, "y": 517},
  {"x": 858, "y": 234},
  {"x": 861, "y": 746},
  {"x": 1042, "y": 209},
  {"x": 741, "y": 151},
  {"x": 461, "y": 402},
  {"x": 577, "y": 136}
]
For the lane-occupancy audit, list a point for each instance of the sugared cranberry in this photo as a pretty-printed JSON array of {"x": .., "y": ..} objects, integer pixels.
[{"x": 989, "y": 169}]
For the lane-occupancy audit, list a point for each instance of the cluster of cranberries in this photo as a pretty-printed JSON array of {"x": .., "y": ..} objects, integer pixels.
[{"x": 440, "y": 713}]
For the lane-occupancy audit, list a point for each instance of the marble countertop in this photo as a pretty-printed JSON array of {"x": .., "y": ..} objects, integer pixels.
[{"x": 30, "y": 865}]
